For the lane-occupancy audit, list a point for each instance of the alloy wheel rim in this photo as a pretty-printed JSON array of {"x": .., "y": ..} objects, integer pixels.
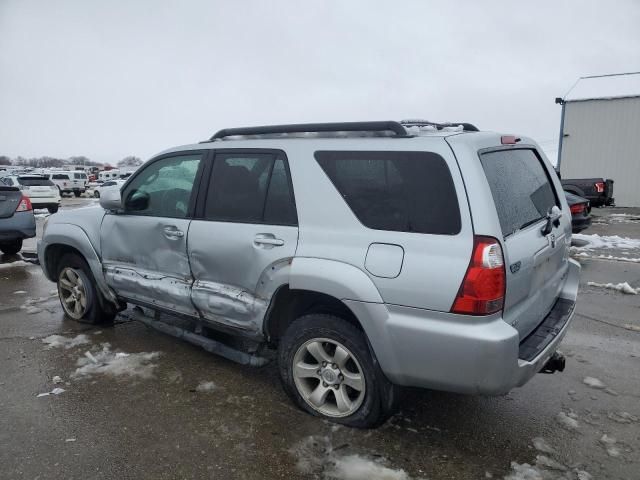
[
  {"x": 329, "y": 377},
  {"x": 72, "y": 293}
]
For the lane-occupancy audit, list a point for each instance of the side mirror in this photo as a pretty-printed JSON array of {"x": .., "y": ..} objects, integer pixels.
[
  {"x": 137, "y": 201},
  {"x": 110, "y": 199}
]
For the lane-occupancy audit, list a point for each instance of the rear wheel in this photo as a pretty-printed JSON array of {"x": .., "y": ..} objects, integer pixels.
[
  {"x": 12, "y": 247},
  {"x": 328, "y": 371},
  {"x": 96, "y": 194},
  {"x": 78, "y": 294},
  {"x": 77, "y": 193},
  {"x": 53, "y": 209}
]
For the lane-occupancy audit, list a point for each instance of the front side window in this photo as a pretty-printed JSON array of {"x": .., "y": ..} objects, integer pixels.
[
  {"x": 396, "y": 191},
  {"x": 250, "y": 188},
  {"x": 520, "y": 186},
  {"x": 163, "y": 188}
]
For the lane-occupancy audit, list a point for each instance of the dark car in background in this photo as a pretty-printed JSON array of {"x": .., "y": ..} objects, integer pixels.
[
  {"x": 16, "y": 219},
  {"x": 598, "y": 191},
  {"x": 580, "y": 212}
]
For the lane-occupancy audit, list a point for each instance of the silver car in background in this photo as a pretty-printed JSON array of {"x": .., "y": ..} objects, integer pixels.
[{"x": 370, "y": 255}]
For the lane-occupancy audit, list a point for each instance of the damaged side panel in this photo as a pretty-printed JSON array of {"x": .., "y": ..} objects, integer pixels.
[
  {"x": 145, "y": 259},
  {"x": 235, "y": 272}
]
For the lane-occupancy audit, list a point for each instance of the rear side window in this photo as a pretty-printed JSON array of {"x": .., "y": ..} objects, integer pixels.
[
  {"x": 250, "y": 188},
  {"x": 35, "y": 182},
  {"x": 521, "y": 187},
  {"x": 59, "y": 176},
  {"x": 397, "y": 191}
]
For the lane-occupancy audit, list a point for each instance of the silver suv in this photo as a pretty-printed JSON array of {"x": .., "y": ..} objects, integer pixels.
[{"x": 371, "y": 255}]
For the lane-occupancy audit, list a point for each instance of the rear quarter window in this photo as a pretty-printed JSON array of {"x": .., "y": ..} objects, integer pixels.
[
  {"x": 395, "y": 191},
  {"x": 520, "y": 185}
]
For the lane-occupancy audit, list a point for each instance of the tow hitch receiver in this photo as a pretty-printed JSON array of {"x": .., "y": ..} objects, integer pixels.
[{"x": 555, "y": 364}]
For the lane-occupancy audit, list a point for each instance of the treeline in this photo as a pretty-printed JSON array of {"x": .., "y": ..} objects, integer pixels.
[{"x": 52, "y": 162}]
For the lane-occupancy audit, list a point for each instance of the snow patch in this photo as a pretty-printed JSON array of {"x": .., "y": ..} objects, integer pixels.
[
  {"x": 609, "y": 444},
  {"x": 19, "y": 292},
  {"x": 605, "y": 257},
  {"x": 605, "y": 241},
  {"x": 56, "y": 379},
  {"x": 634, "y": 328},
  {"x": 17, "y": 263},
  {"x": 567, "y": 421},
  {"x": 206, "y": 387},
  {"x": 594, "y": 382},
  {"x": 55, "y": 391},
  {"x": 620, "y": 287},
  {"x": 545, "y": 468},
  {"x": 622, "y": 417},
  {"x": 541, "y": 444},
  {"x": 316, "y": 456},
  {"x": 116, "y": 364},
  {"x": 55, "y": 341}
]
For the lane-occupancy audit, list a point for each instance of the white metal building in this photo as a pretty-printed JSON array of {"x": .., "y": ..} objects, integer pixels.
[{"x": 600, "y": 133}]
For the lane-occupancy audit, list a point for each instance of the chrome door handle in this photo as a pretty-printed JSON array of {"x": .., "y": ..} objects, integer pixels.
[
  {"x": 268, "y": 240},
  {"x": 173, "y": 233}
]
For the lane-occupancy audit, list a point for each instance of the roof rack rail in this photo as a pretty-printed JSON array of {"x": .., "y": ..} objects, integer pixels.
[
  {"x": 388, "y": 126},
  {"x": 467, "y": 127}
]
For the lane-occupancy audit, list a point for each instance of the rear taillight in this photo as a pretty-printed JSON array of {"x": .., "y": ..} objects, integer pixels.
[
  {"x": 578, "y": 208},
  {"x": 483, "y": 287},
  {"x": 24, "y": 205},
  {"x": 599, "y": 187}
]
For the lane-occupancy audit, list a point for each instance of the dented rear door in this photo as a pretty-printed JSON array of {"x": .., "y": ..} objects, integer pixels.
[
  {"x": 144, "y": 247},
  {"x": 244, "y": 238}
]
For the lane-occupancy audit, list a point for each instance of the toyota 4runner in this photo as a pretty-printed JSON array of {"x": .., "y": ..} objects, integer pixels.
[{"x": 371, "y": 255}]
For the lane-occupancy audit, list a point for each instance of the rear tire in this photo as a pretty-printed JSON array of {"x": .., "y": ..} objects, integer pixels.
[
  {"x": 76, "y": 193},
  {"x": 53, "y": 209},
  {"x": 79, "y": 297},
  {"x": 327, "y": 369},
  {"x": 12, "y": 247},
  {"x": 96, "y": 194}
]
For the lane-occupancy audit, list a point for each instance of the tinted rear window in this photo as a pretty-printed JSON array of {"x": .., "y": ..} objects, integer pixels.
[
  {"x": 520, "y": 185},
  {"x": 35, "y": 182},
  {"x": 397, "y": 191}
]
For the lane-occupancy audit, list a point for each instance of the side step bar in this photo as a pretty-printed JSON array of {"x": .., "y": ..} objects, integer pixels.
[{"x": 208, "y": 344}]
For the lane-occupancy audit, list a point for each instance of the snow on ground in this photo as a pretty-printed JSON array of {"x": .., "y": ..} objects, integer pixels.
[
  {"x": 206, "y": 387},
  {"x": 620, "y": 287},
  {"x": 20, "y": 292},
  {"x": 315, "y": 456},
  {"x": 116, "y": 364},
  {"x": 55, "y": 391},
  {"x": 594, "y": 383},
  {"x": 595, "y": 241},
  {"x": 606, "y": 257},
  {"x": 17, "y": 263},
  {"x": 568, "y": 421},
  {"x": 541, "y": 445},
  {"x": 54, "y": 341},
  {"x": 609, "y": 443}
]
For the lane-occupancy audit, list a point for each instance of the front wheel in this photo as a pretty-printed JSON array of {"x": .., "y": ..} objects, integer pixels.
[
  {"x": 96, "y": 194},
  {"x": 79, "y": 297},
  {"x": 328, "y": 371},
  {"x": 12, "y": 247}
]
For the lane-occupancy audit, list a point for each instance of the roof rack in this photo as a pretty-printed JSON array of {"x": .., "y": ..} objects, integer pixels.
[
  {"x": 467, "y": 127},
  {"x": 389, "y": 126}
]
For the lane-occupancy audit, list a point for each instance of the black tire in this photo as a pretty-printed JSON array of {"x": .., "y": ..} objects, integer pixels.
[
  {"x": 380, "y": 395},
  {"x": 97, "y": 308},
  {"x": 77, "y": 193},
  {"x": 53, "y": 209},
  {"x": 12, "y": 247},
  {"x": 96, "y": 194}
]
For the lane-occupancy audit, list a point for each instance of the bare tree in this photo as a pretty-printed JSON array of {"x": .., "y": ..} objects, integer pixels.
[
  {"x": 4, "y": 160},
  {"x": 130, "y": 161}
]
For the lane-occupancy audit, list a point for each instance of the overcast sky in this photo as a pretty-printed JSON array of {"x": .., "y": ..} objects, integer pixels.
[{"x": 113, "y": 78}]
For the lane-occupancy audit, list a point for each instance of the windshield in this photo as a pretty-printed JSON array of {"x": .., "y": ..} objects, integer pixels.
[{"x": 35, "y": 182}]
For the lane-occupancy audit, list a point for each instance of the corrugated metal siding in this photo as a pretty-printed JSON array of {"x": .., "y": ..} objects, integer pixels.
[{"x": 604, "y": 141}]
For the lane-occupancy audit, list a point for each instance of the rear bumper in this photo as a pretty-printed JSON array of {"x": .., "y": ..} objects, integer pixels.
[
  {"x": 20, "y": 225},
  {"x": 457, "y": 353}
]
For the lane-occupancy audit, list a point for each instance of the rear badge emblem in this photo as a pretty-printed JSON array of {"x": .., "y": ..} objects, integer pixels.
[{"x": 515, "y": 267}]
